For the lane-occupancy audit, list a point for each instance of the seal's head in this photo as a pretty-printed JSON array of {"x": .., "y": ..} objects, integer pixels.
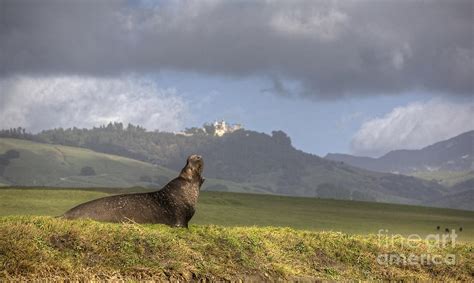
[
  {"x": 193, "y": 168},
  {"x": 195, "y": 162}
]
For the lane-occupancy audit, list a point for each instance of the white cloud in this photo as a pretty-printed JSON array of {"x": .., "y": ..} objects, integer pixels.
[
  {"x": 43, "y": 103},
  {"x": 413, "y": 126}
]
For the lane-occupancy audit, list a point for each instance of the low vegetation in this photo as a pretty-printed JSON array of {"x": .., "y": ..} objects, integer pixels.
[{"x": 33, "y": 247}]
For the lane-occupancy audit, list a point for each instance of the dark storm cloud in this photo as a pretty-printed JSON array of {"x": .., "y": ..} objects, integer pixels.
[{"x": 331, "y": 48}]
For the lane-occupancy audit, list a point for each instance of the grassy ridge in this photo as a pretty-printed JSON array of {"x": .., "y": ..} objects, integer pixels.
[
  {"x": 231, "y": 209},
  {"x": 49, "y": 165},
  {"x": 48, "y": 248}
]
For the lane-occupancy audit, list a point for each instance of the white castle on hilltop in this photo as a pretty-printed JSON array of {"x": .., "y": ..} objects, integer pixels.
[
  {"x": 218, "y": 128},
  {"x": 221, "y": 128}
]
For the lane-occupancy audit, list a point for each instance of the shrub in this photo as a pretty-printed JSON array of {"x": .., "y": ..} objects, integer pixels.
[
  {"x": 12, "y": 154},
  {"x": 87, "y": 171}
]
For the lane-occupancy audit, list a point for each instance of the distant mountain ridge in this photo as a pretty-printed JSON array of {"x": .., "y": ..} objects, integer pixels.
[{"x": 455, "y": 154}]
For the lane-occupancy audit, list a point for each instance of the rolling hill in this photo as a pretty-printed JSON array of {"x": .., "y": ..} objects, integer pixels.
[
  {"x": 38, "y": 164},
  {"x": 27, "y": 163},
  {"x": 243, "y": 161},
  {"x": 449, "y": 163}
]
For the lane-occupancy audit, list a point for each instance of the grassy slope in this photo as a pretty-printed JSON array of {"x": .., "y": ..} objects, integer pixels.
[
  {"x": 230, "y": 209},
  {"x": 55, "y": 165},
  {"x": 446, "y": 178},
  {"x": 48, "y": 248}
]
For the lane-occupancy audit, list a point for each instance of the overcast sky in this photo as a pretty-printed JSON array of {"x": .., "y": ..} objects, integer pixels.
[{"x": 362, "y": 77}]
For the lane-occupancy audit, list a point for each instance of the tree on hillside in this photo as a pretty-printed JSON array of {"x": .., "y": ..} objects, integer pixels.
[{"x": 87, "y": 171}]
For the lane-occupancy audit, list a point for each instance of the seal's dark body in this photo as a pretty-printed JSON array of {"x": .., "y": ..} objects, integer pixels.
[{"x": 173, "y": 205}]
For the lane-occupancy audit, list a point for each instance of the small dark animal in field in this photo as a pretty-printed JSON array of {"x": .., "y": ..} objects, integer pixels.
[
  {"x": 446, "y": 230},
  {"x": 173, "y": 205},
  {"x": 460, "y": 229},
  {"x": 437, "y": 227}
]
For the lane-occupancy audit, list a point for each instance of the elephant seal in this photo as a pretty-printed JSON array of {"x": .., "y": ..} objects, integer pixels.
[{"x": 173, "y": 205}]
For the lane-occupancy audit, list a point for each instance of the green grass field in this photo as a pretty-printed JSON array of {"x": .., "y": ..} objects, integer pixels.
[{"x": 232, "y": 209}]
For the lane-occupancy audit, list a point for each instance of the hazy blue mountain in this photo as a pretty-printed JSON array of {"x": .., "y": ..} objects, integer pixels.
[{"x": 455, "y": 154}]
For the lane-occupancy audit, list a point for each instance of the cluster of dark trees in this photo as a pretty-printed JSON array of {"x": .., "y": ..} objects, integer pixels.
[
  {"x": 130, "y": 141},
  {"x": 16, "y": 133}
]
